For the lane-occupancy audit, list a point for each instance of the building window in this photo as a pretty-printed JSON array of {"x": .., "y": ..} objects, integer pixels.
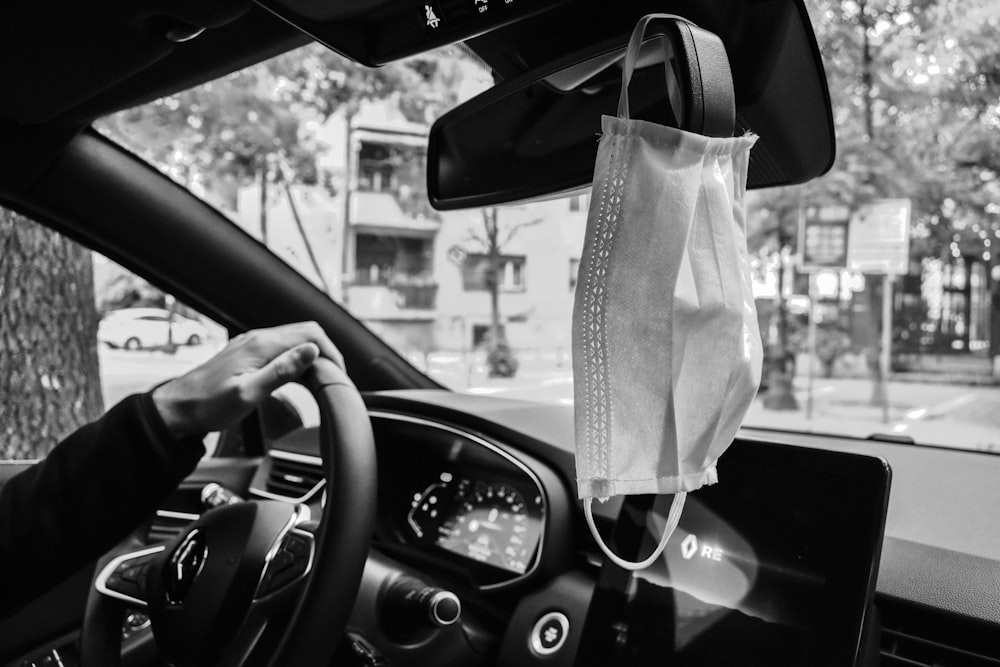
[
  {"x": 511, "y": 274},
  {"x": 377, "y": 168},
  {"x": 574, "y": 269},
  {"x": 392, "y": 260}
]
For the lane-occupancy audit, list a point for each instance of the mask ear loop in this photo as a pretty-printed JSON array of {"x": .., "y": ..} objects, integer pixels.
[
  {"x": 632, "y": 54},
  {"x": 673, "y": 518}
]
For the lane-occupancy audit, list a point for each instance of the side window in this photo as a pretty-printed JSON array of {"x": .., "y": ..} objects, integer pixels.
[{"x": 77, "y": 334}]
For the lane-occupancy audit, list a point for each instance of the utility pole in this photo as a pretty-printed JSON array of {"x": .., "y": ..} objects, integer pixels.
[
  {"x": 780, "y": 394},
  {"x": 346, "y": 244}
]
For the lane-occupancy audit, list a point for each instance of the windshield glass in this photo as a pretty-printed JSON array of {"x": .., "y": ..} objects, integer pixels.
[{"x": 323, "y": 161}]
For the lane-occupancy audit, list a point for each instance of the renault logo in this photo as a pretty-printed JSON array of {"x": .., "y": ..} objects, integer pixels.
[
  {"x": 184, "y": 566},
  {"x": 689, "y": 546}
]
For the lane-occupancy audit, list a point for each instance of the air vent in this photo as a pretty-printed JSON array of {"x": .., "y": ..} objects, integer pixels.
[
  {"x": 914, "y": 636},
  {"x": 293, "y": 476},
  {"x": 167, "y": 525}
]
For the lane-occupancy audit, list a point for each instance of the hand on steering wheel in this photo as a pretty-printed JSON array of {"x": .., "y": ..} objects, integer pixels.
[
  {"x": 228, "y": 386},
  {"x": 252, "y": 583}
]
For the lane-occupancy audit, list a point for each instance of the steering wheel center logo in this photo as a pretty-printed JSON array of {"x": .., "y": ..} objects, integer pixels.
[{"x": 184, "y": 566}]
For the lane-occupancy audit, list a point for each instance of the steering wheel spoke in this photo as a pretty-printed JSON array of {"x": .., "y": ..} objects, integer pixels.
[
  {"x": 255, "y": 583},
  {"x": 289, "y": 561},
  {"x": 125, "y": 577}
]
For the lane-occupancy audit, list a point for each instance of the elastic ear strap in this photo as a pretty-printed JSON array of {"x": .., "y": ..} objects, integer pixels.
[
  {"x": 673, "y": 518},
  {"x": 632, "y": 54}
]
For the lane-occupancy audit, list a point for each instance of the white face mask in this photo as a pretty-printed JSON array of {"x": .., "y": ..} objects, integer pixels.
[{"x": 666, "y": 349}]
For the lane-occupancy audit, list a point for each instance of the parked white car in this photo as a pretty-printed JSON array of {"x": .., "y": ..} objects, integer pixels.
[{"x": 138, "y": 328}]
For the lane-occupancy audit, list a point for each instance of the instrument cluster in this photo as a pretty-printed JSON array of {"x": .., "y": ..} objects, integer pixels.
[{"x": 459, "y": 499}]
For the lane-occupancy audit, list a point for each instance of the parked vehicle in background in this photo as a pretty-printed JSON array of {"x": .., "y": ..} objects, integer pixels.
[{"x": 144, "y": 328}]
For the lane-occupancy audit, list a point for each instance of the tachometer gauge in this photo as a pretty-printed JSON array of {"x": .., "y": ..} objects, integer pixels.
[{"x": 490, "y": 525}]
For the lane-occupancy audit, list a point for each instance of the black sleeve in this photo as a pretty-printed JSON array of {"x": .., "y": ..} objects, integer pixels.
[{"x": 92, "y": 490}]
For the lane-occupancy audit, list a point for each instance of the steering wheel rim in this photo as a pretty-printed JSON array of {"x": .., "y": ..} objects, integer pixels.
[{"x": 341, "y": 540}]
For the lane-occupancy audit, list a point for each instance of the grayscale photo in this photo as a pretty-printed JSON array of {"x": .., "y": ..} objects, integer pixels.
[{"x": 500, "y": 333}]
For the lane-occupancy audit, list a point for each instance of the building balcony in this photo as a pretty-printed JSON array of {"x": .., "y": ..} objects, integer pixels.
[
  {"x": 417, "y": 297},
  {"x": 393, "y": 300}
]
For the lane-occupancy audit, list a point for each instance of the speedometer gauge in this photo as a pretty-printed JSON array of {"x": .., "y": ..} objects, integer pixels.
[{"x": 491, "y": 525}]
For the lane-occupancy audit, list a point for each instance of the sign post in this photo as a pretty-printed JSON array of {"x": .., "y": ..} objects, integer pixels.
[
  {"x": 823, "y": 234},
  {"x": 879, "y": 242}
]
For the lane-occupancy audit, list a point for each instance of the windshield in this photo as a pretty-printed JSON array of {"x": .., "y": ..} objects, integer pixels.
[{"x": 323, "y": 161}]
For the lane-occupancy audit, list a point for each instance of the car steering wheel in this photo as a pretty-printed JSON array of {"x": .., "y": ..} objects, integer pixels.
[{"x": 254, "y": 583}]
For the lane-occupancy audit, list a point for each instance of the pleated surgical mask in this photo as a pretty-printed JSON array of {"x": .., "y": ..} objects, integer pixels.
[{"x": 666, "y": 347}]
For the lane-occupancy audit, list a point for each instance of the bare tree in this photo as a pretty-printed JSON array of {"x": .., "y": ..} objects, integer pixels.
[{"x": 493, "y": 237}]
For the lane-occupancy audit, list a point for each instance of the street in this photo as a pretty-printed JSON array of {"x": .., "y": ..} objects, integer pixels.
[{"x": 951, "y": 415}]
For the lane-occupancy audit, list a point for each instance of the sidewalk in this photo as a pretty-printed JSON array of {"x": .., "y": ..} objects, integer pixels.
[
  {"x": 462, "y": 370},
  {"x": 953, "y": 369},
  {"x": 953, "y": 415}
]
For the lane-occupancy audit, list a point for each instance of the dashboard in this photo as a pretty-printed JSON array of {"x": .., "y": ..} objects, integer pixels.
[
  {"x": 466, "y": 506},
  {"x": 475, "y": 498},
  {"x": 505, "y": 535}
]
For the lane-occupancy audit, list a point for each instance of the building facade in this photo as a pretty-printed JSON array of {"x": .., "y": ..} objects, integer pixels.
[{"x": 416, "y": 276}]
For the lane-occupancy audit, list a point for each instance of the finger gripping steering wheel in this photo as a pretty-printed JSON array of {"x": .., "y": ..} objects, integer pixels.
[{"x": 254, "y": 583}]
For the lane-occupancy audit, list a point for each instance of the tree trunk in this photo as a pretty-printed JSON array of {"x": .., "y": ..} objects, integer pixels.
[
  {"x": 49, "y": 370},
  {"x": 305, "y": 240},
  {"x": 493, "y": 276},
  {"x": 780, "y": 391},
  {"x": 263, "y": 205},
  {"x": 879, "y": 396}
]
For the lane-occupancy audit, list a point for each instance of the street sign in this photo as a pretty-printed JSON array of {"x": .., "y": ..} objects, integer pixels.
[
  {"x": 823, "y": 234},
  {"x": 456, "y": 255},
  {"x": 879, "y": 238}
]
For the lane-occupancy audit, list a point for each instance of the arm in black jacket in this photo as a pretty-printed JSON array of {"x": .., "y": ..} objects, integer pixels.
[{"x": 92, "y": 490}]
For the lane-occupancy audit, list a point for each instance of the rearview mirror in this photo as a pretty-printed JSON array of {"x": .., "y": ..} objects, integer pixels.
[{"x": 535, "y": 135}]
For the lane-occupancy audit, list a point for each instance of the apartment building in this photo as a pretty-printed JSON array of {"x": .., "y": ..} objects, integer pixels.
[{"x": 418, "y": 276}]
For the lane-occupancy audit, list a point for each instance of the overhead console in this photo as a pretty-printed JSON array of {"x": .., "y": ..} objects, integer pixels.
[{"x": 378, "y": 31}]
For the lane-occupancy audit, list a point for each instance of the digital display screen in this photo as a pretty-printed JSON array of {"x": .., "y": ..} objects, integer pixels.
[{"x": 774, "y": 566}]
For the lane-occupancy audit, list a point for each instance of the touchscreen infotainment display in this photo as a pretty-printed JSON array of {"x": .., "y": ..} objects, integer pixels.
[{"x": 775, "y": 566}]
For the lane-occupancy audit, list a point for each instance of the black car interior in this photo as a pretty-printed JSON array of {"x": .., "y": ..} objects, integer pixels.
[{"x": 861, "y": 552}]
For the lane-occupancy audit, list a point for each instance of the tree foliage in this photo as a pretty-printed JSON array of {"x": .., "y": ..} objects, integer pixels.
[
  {"x": 260, "y": 122},
  {"x": 915, "y": 87}
]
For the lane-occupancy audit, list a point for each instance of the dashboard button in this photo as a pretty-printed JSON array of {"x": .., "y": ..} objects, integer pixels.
[
  {"x": 549, "y": 633},
  {"x": 297, "y": 545},
  {"x": 282, "y": 561},
  {"x": 444, "y": 608}
]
